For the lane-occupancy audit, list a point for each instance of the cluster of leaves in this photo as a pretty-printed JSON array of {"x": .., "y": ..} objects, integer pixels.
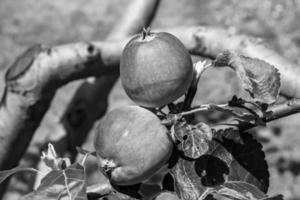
[
  {"x": 226, "y": 162},
  {"x": 208, "y": 162},
  {"x": 63, "y": 181}
]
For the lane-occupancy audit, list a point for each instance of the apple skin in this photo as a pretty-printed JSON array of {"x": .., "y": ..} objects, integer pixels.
[
  {"x": 131, "y": 145},
  {"x": 155, "y": 69}
]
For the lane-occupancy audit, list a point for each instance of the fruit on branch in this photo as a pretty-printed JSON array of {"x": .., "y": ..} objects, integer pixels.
[
  {"x": 131, "y": 145},
  {"x": 155, "y": 69}
]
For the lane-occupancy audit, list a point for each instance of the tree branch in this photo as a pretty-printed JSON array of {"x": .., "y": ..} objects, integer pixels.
[
  {"x": 275, "y": 112},
  {"x": 28, "y": 98},
  {"x": 210, "y": 41}
]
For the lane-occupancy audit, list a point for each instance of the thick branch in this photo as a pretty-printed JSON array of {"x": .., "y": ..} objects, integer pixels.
[
  {"x": 210, "y": 41},
  {"x": 54, "y": 67},
  {"x": 285, "y": 109},
  {"x": 29, "y": 96},
  {"x": 138, "y": 15}
]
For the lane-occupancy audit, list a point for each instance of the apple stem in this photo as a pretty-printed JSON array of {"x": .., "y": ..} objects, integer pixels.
[
  {"x": 145, "y": 32},
  {"x": 199, "y": 68}
]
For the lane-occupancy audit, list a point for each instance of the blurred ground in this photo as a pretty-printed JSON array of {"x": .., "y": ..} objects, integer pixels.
[{"x": 23, "y": 23}]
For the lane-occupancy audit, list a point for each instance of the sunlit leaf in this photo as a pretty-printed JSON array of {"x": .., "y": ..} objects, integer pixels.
[
  {"x": 241, "y": 190},
  {"x": 52, "y": 161},
  {"x": 187, "y": 183},
  {"x": 6, "y": 173},
  {"x": 258, "y": 77},
  {"x": 193, "y": 139},
  {"x": 62, "y": 184}
]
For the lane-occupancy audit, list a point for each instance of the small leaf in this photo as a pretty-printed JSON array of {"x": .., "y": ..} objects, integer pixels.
[
  {"x": 6, "y": 173},
  {"x": 62, "y": 184},
  {"x": 258, "y": 77},
  {"x": 51, "y": 159},
  {"x": 193, "y": 138},
  {"x": 130, "y": 190},
  {"x": 238, "y": 112},
  {"x": 187, "y": 183}
]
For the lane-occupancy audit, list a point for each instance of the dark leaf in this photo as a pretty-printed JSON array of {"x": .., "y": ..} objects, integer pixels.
[
  {"x": 247, "y": 159},
  {"x": 232, "y": 156},
  {"x": 211, "y": 170},
  {"x": 130, "y": 190},
  {"x": 258, "y": 77},
  {"x": 6, "y": 173},
  {"x": 62, "y": 184}
]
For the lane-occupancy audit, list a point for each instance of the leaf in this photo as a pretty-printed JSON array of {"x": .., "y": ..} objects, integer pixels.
[
  {"x": 62, "y": 184},
  {"x": 187, "y": 183},
  {"x": 193, "y": 138},
  {"x": 241, "y": 190},
  {"x": 232, "y": 156},
  {"x": 242, "y": 113},
  {"x": 51, "y": 159},
  {"x": 258, "y": 77},
  {"x": 130, "y": 190},
  {"x": 245, "y": 157},
  {"x": 6, "y": 173}
]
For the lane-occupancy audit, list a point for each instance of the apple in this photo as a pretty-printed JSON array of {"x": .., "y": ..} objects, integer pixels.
[
  {"x": 155, "y": 69},
  {"x": 131, "y": 145}
]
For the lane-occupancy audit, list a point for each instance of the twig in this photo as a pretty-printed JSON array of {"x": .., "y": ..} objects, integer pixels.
[
  {"x": 205, "y": 107},
  {"x": 199, "y": 68},
  {"x": 275, "y": 112}
]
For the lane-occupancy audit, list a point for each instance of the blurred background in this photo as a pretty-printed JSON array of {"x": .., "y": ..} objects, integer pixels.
[{"x": 24, "y": 23}]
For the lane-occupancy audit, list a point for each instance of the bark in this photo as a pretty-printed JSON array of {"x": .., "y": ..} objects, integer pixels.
[
  {"x": 284, "y": 109},
  {"x": 210, "y": 41},
  {"x": 28, "y": 97}
]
